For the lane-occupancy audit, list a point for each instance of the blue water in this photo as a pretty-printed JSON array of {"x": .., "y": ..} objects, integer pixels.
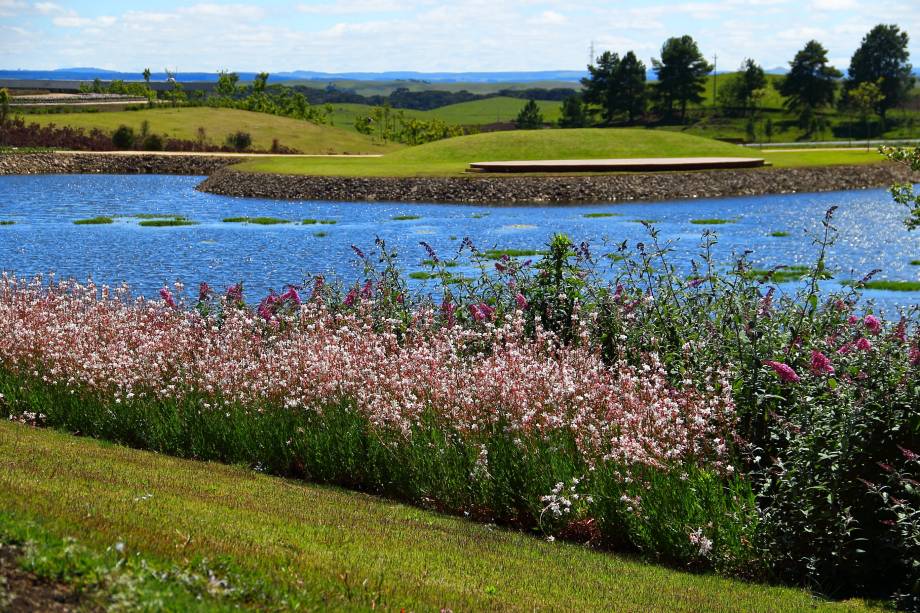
[{"x": 45, "y": 239}]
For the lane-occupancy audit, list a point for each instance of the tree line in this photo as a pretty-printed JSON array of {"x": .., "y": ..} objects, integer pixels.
[{"x": 615, "y": 91}]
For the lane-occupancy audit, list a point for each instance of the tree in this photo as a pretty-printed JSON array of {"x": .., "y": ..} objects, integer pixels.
[
  {"x": 573, "y": 113},
  {"x": 740, "y": 91},
  {"x": 4, "y": 106},
  {"x": 259, "y": 82},
  {"x": 123, "y": 137},
  {"x": 617, "y": 86},
  {"x": 629, "y": 87},
  {"x": 226, "y": 83},
  {"x": 882, "y": 58},
  {"x": 866, "y": 99},
  {"x": 147, "y": 74},
  {"x": 811, "y": 83},
  {"x": 601, "y": 83},
  {"x": 681, "y": 72},
  {"x": 530, "y": 117}
]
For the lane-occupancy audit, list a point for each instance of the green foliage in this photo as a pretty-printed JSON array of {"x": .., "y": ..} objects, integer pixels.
[
  {"x": 530, "y": 117},
  {"x": 167, "y": 223},
  {"x": 744, "y": 89},
  {"x": 811, "y": 84},
  {"x": 94, "y": 221},
  {"x": 903, "y": 194},
  {"x": 866, "y": 98},
  {"x": 123, "y": 137},
  {"x": 239, "y": 140},
  {"x": 681, "y": 71},
  {"x": 226, "y": 83},
  {"x": 406, "y": 217},
  {"x": 7, "y": 222},
  {"x": 152, "y": 142},
  {"x": 596, "y": 215},
  {"x": 882, "y": 59},
  {"x": 4, "y": 106},
  {"x": 617, "y": 86},
  {"x": 779, "y": 234},
  {"x": 261, "y": 221},
  {"x": 574, "y": 114},
  {"x": 891, "y": 286},
  {"x": 711, "y": 222}
]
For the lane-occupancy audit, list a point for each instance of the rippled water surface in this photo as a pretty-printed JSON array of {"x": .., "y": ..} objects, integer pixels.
[{"x": 44, "y": 237}]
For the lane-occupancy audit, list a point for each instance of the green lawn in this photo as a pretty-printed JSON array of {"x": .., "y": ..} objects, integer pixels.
[
  {"x": 327, "y": 548},
  {"x": 452, "y": 156},
  {"x": 218, "y": 123}
]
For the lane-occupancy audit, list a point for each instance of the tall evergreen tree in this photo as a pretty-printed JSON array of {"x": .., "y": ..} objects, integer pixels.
[
  {"x": 629, "y": 93},
  {"x": 739, "y": 91},
  {"x": 530, "y": 117},
  {"x": 882, "y": 59},
  {"x": 681, "y": 72},
  {"x": 811, "y": 83},
  {"x": 600, "y": 85},
  {"x": 573, "y": 113}
]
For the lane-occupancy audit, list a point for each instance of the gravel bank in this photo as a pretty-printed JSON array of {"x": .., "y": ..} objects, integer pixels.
[
  {"x": 480, "y": 189},
  {"x": 102, "y": 163}
]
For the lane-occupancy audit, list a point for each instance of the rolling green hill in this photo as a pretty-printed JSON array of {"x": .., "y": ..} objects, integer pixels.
[
  {"x": 184, "y": 123},
  {"x": 150, "y": 529}
]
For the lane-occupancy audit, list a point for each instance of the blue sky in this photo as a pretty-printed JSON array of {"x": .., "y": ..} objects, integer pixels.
[{"x": 425, "y": 35}]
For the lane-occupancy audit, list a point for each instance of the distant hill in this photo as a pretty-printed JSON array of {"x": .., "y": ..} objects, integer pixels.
[{"x": 88, "y": 74}]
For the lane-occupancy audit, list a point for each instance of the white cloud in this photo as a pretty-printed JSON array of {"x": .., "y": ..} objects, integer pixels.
[
  {"x": 834, "y": 5},
  {"x": 8, "y": 8},
  {"x": 72, "y": 20},
  {"x": 46, "y": 8},
  {"x": 233, "y": 11},
  {"x": 548, "y": 18},
  {"x": 354, "y": 7}
]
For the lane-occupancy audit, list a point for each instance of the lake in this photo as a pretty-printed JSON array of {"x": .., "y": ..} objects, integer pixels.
[{"x": 44, "y": 237}]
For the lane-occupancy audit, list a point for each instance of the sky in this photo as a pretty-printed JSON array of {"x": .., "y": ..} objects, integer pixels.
[{"x": 426, "y": 35}]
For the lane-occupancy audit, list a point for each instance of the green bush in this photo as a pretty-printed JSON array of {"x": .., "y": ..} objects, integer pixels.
[
  {"x": 239, "y": 141},
  {"x": 123, "y": 137}
]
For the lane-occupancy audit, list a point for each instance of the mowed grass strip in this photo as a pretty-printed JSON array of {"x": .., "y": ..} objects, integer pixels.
[
  {"x": 183, "y": 123},
  {"x": 452, "y": 156},
  {"x": 336, "y": 548}
]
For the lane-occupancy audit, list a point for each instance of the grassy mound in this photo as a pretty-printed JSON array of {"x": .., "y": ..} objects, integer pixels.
[
  {"x": 283, "y": 544},
  {"x": 184, "y": 123},
  {"x": 453, "y": 155}
]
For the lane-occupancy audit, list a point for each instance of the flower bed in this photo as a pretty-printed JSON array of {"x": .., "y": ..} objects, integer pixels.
[{"x": 705, "y": 422}]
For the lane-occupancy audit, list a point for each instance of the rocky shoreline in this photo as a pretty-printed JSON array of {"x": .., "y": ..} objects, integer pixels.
[
  {"x": 481, "y": 189},
  {"x": 111, "y": 163},
  {"x": 474, "y": 189}
]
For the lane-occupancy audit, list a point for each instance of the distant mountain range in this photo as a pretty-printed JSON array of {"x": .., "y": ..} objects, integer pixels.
[{"x": 88, "y": 74}]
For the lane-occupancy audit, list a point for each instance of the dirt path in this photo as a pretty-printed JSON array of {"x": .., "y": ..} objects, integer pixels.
[{"x": 22, "y": 592}]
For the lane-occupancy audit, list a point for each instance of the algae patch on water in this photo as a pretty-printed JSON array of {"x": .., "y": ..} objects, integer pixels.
[{"x": 94, "y": 221}]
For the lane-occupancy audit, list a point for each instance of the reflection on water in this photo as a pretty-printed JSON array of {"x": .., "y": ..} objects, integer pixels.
[{"x": 44, "y": 237}]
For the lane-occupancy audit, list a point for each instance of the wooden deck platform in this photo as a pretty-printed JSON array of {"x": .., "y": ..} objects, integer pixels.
[{"x": 618, "y": 165}]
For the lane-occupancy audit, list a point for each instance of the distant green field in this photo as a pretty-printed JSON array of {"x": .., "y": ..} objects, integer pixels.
[
  {"x": 386, "y": 87},
  {"x": 277, "y": 545},
  {"x": 452, "y": 156},
  {"x": 478, "y": 112},
  {"x": 218, "y": 123}
]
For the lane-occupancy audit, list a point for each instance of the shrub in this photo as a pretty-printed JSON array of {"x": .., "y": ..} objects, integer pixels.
[
  {"x": 239, "y": 141},
  {"x": 153, "y": 142},
  {"x": 123, "y": 137}
]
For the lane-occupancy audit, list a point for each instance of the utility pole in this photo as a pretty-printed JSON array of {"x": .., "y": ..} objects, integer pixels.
[{"x": 715, "y": 78}]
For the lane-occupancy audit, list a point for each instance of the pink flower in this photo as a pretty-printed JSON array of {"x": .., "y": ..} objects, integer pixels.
[
  {"x": 914, "y": 356},
  {"x": 852, "y": 320},
  {"x": 500, "y": 267},
  {"x": 204, "y": 290},
  {"x": 863, "y": 344},
  {"x": 820, "y": 364},
  {"x": 845, "y": 349},
  {"x": 292, "y": 295},
  {"x": 368, "y": 290},
  {"x": 351, "y": 297},
  {"x": 167, "y": 297},
  {"x": 785, "y": 372},
  {"x": 521, "y": 301},
  {"x": 481, "y": 311},
  {"x": 873, "y": 324},
  {"x": 235, "y": 293},
  {"x": 447, "y": 311},
  {"x": 694, "y": 283}
]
